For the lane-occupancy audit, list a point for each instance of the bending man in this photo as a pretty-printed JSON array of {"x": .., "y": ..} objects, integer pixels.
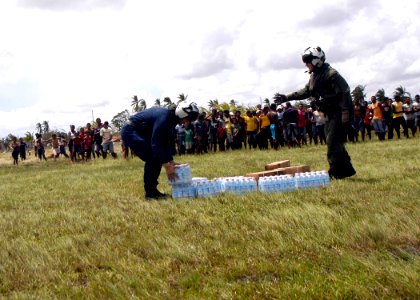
[{"x": 149, "y": 134}]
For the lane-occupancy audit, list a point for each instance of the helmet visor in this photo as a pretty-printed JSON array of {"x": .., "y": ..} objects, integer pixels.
[{"x": 307, "y": 58}]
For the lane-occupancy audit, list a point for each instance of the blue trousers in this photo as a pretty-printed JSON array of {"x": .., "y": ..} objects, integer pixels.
[{"x": 142, "y": 147}]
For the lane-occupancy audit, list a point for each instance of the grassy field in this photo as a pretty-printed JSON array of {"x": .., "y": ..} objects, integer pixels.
[{"x": 84, "y": 230}]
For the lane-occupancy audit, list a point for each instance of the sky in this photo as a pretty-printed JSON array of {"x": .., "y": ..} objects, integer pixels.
[{"x": 65, "y": 61}]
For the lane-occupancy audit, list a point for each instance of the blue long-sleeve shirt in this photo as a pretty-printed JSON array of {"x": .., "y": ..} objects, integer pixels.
[{"x": 156, "y": 124}]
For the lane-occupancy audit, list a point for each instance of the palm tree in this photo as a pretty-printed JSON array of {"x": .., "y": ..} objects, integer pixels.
[
  {"x": 224, "y": 106},
  {"x": 157, "y": 102},
  {"x": 380, "y": 94},
  {"x": 135, "y": 104},
  {"x": 214, "y": 104},
  {"x": 167, "y": 101},
  {"x": 38, "y": 127},
  {"x": 142, "y": 104},
  {"x": 46, "y": 126},
  {"x": 359, "y": 93},
  {"x": 182, "y": 97},
  {"x": 232, "y": 105},
  {"x": 402, "y": 92},
  {"x": 266, "y": 101},
  {"x": 28, "y": 137},
  {"x": 169, "y": 104}
]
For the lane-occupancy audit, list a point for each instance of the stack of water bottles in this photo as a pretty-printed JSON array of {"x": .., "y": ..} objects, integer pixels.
[
  {"x": 186, "y": 186},
  {"x": 206, "y": 187},
  {"x": 286, "y": 183},
  {"x": 182, "y": 186},
  {"x": 311, "y": 179},
  {"x": 277, "y": 184},
  {"x": 238, "y": 184}
]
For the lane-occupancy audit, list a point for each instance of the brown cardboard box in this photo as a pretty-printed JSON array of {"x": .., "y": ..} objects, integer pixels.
[
  {"x": 277, "y": 164},
  {"x": 295, "y": 169},
  {"x": 280, "y": 171},
  {"x": 257, "y": 175}
]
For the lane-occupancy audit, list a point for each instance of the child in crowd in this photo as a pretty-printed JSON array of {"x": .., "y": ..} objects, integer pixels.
[
  {"x": 71, "y": 136},
  {"x": 367, "y": 122},
  {"x": 235, "y": 127},
  {"x": 201, "y": 134},
  {"x": 221, "y": 136},
  {"x": 77, "y": 147},
  {"x": 15, "y": 151},
  {"x": 62, "y": 146},
  {"x": 87, "y": 145},
  {"x": 189, "y": 134},
  {"x": 55, "y": 146},
  {"x": 106, "y": 133},
  {"x": 180, "y": 138},
  {"x": 40, "y": 147},
  {"x": 22, "y": 149}
]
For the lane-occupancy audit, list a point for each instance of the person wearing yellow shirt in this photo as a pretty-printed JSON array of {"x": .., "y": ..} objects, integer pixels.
[
  {"x": 398, "y": 117},
  {"x": 377, "y": 118},
  {"x": 251, "y": 129},
  {"x": 228, "y": 126}
]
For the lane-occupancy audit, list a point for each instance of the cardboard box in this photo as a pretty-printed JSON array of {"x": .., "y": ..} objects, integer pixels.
[
  {"x": 280, "y": 171},
  {"x": 295, "y": 169},
  {"x": 277, "y": 164}
]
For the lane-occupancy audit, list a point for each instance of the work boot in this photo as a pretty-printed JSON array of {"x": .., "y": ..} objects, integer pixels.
[
  {"x": 341, "y": 173},
  {"x": 155, "y": 195}
]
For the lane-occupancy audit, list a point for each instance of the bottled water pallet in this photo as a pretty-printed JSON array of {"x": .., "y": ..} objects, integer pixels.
[{"x": 274, "y": 179}]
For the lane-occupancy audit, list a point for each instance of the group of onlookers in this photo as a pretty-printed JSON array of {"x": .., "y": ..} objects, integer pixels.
[
  {"x": 284, "y": 125},
  {"x": 386, "y": 117},
  {"x": 82, "y": 144},
  {"x": 269, "y": 125}
]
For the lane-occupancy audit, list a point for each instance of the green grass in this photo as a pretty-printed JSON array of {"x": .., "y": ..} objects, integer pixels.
[{"x": 85, "y": 231}]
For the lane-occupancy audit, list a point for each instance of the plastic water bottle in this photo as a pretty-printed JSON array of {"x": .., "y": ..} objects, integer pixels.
[
  {"x": 325, "y": 177},
  {"x": 182, "y": 174},
  {"x": 297, "y": 180}
]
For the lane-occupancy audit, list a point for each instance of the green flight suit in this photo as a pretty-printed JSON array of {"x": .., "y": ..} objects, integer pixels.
[{"x": 332, "y": 93}]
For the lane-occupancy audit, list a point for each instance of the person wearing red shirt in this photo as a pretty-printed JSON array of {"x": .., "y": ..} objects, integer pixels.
[
  {"x": 87, "y": 145},
  {"x": 367, "y": 120},
  {"x": 301, "y": 125}
]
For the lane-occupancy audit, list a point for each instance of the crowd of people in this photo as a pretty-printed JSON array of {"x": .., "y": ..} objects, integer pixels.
[
  {"x": 268, "y": 125},
  {"x": 278, "y": 126},
  {"x": 82, "y": 144}
]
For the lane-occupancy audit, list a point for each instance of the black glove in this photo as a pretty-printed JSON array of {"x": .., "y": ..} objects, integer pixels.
[{"x": 279, "y": 98}]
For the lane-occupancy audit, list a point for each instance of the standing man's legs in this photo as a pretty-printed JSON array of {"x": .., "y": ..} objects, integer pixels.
[{"x": 338, "y": 158}]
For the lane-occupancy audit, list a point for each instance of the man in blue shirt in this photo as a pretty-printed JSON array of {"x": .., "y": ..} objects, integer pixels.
[{"x": 149, "y": 134}]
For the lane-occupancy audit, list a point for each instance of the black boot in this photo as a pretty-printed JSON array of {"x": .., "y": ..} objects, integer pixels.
[
  {"x": 155, "y": 195},
  {"x": 341, "y": 172}
]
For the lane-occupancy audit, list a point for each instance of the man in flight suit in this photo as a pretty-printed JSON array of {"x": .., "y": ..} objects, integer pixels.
[
  {"x": 149, "y": 134},
  {"x": 332, "y": 95}
]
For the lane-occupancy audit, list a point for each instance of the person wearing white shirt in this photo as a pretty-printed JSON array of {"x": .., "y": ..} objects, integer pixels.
[{"x": 107, "y": 144}]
